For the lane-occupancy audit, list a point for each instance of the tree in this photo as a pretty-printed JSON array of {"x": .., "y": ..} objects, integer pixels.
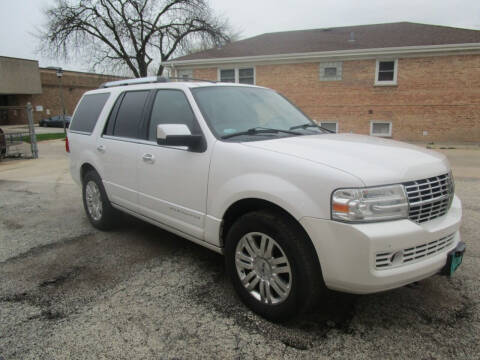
[
  {"x": 204, "y": 44},
  {"x": 139, "y": 35}
]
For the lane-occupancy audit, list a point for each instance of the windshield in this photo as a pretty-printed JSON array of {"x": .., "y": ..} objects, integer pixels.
[{"x": 230, "y": 110}]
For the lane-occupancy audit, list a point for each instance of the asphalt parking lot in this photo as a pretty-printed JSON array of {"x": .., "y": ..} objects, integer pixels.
[{"x": 68, "y": 291}]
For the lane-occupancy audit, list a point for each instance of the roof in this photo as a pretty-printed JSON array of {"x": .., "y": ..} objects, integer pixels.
[
  {"x": 16, "y": 58},
  {"x": 74, "y": 72},
  {"x": 391, "y": 35}
]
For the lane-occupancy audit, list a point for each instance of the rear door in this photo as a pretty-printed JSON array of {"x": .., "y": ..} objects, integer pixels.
[
  {"x": 173, "y": 180},
  {"x": 119, "y": 147},
  {"x": 81, "y": 141}
]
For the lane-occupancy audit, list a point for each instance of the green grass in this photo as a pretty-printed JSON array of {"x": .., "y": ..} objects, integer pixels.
[{"x": 44, "y": 137}]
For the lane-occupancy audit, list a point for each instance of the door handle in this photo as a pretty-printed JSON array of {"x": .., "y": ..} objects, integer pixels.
[
  {"x": 149, "y": 158},
  {"x": 101, "y": 148}
]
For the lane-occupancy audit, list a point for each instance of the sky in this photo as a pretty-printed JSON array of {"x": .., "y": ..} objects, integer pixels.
[{"x": 20, "y": 20}]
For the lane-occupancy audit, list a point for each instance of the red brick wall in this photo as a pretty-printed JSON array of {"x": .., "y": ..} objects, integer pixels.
[
  {"x": 205, "y": 74},
  {"x": 438, "y": 94},
  {"x": 75, "y": 84}
]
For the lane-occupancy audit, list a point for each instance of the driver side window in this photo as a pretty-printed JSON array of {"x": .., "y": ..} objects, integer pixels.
[{"x": 171, "y": 107}]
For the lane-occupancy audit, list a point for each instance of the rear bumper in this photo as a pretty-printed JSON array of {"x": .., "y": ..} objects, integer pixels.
[
  {"x": 75, "y": 170},
  {"x": 348, "y": 252}
]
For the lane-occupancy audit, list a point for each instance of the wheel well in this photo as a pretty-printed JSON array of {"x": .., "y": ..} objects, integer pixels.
[
  {"x": 84, "y": 169},
  {"x": 245, "y": 206}
]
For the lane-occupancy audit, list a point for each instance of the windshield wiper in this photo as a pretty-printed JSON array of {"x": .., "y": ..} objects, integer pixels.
[
  {"x": 260, "y": 130},
  {"x": 307, "y": 125}
]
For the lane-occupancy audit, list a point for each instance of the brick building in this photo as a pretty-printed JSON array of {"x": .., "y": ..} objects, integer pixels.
[
  {"x": 404, "y": 80},
  {"x": 22, "y": 81}
]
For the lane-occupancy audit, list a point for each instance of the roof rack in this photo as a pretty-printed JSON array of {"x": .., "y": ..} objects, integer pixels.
[{"x": 147, "y": 80}]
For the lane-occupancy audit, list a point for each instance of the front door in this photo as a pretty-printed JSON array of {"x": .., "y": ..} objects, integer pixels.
[{"x": 172, "y": 181}]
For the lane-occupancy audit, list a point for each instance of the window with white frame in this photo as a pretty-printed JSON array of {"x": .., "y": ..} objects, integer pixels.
[
  {"x": 227, "y": 75},
  {"x": 243, "y": 75},
  {"x": 381, "y": 128},
  {"x": 386, "y": 72},
  {"x": 330, "y": 125},
  {"x": 246, "y": 76},
  {"x": 330, "y": 71}
]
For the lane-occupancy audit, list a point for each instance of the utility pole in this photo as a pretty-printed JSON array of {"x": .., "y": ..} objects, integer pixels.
[{"x": 59, "y": 73}]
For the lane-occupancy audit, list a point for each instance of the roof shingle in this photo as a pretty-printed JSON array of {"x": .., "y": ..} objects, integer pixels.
[{"x": 340, "y": 38}]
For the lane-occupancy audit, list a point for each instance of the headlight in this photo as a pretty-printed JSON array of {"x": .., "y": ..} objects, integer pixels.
[{"x": 370, "y": 204}]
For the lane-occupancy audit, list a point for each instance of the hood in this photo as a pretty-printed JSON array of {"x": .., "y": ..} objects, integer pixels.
[{"x": 375, "y": 161}]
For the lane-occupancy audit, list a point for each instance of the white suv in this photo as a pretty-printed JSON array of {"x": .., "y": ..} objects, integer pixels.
[{"x": 294, "y": 208}]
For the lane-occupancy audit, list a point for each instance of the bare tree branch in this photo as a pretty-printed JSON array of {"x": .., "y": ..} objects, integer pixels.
[{"x": 138, "y": 35}]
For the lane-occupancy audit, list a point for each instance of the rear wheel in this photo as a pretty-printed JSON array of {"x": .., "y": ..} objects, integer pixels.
[
  {"x": 95, "y": 201},
  {"x": 273, "y": 265}
]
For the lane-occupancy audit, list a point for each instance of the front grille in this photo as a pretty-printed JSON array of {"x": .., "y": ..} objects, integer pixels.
[
  {"x": 429, "y": 198},
  {"x": 386, "y": 260}
]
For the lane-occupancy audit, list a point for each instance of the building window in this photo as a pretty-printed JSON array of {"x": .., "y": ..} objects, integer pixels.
[
  {"x": 386, "y": 72},
  {"x": 237, "y": 75},
  {"x": 227, "y": 75},
  {"x": 330, "y": 125},
  {"x": 185, "y": 74},
  {"x": 245, "y": 76},
  {"x": 381, "y": 128},
  {"x": 331, "y": 71}
]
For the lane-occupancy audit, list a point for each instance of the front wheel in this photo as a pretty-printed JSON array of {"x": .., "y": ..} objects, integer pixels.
[
  {"x": 95, "y": 201},
  {"x": 273, "y": 265}
]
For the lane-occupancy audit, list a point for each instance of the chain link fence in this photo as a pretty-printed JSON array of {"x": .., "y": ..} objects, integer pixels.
[{"x": 18, "y": 141}]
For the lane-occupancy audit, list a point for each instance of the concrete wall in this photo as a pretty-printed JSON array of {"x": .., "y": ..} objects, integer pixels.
[
  {"x": 19, "y": 76},
  {"x": 435, "y": 99}
]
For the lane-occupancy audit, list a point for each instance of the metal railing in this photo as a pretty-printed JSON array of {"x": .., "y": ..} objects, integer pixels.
[{"x": 21, "y": 141}]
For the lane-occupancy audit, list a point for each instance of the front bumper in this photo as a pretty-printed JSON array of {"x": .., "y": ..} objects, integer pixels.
[{"x": 348, "y": 252}]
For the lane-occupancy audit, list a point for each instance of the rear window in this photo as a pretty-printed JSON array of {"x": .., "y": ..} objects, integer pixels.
[{"x": 88, "y": 112}]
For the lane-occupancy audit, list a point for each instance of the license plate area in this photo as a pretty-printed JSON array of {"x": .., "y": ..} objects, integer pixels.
[{"x": 454, "y": 259}]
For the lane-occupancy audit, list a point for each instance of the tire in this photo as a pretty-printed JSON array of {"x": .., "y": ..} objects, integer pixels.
[
  {"x": 103, "y": 216},
  {"x": 303, "y": 278}
]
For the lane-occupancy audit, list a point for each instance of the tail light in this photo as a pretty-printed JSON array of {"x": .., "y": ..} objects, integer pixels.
[{"x": 67, "y": 146}]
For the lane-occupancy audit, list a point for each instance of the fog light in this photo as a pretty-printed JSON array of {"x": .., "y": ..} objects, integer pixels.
[{"x": 397, "y": 258}]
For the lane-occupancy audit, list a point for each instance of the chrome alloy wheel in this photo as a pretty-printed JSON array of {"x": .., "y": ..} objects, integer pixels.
[
  {"x": 263, "y": 268},
  {"x": 94, "y": 200}
]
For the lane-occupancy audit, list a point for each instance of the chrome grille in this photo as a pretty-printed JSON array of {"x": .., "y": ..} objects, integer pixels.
[
  {"x": 386, "y": 260},
  {"x": 429, "y": 198}
]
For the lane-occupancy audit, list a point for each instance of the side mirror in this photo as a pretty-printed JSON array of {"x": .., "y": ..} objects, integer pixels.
[{"x": 179, "y": 135}]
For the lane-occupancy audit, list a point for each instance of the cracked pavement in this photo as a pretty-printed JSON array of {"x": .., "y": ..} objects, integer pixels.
[{"x": 68, "y": 291}]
